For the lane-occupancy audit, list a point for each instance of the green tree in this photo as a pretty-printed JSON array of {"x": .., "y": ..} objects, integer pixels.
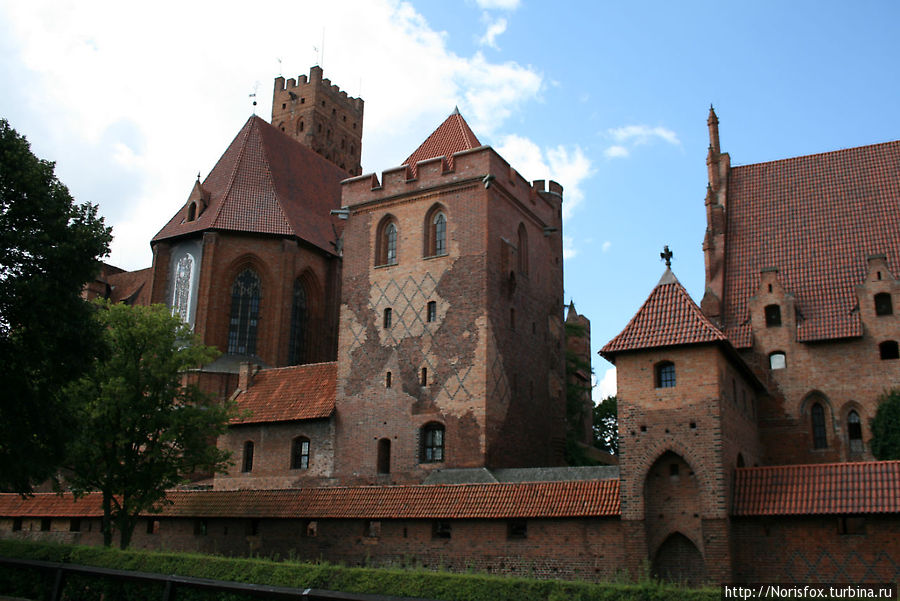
[
  {"x": 141, "y": 426},
  {"x": 49, "y": 249},
  {"x": 886, "y": 426},
  {"x": 606, "y": 425}
]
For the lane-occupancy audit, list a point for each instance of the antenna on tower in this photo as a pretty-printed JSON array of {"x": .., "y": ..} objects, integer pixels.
[
  {"x": 279, "y": 66},
  {"x": 253, "y": 96},
  {"x": 322, "y": 58}
]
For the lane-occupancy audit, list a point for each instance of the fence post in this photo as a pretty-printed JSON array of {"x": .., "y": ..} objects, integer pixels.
[
  {"x": 58, "y": 582},
  {"x": 169, "y": 592}
]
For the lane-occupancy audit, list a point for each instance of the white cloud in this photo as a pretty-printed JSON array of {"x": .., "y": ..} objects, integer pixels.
[
  {"x": 568, "y": 166},
  {"x": 606, "y": 246},
  {"x": 497, "y": 4},
  {"x": 606, "y": 386},
  {"x": 628, "y": 137},
  {"x": 615, "y": 152},
  {"x": 494, "y": 29},
  {"x": 569, "y": 250},
  {"x": 184, "y": 100}
]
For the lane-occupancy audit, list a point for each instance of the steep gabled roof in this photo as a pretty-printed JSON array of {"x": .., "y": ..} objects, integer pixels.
[
  {"x": 451, "y": 136},
  {"x": 816, "y": 219},
  {"x": 267, "y": 183},
  {"x": 831, "y": 488},
  {"x": 130, "y": 287},
  {"x": 289, "y": 394},
  {"x": 669, "y": 317},
  {"x": 584, "y": 498}
]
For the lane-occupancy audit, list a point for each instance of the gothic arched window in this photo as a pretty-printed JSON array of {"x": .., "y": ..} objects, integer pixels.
[
  {"x": 854, "y": 432},
  {"x": 820, "y": 438},
  {"x": 435, "y": 232},
  {"x": 245, "y": 295},
  {"x": 386, "y": 247},
  {"x": 181, "y": 299},
  {"x": 299, "y": 324},
  {"x": 523, "y": 249}
]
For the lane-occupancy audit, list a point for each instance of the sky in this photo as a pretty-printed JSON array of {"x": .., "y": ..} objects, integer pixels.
[{"x": 610, "y": 99}]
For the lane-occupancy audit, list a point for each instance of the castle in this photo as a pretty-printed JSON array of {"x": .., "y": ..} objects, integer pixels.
[{"x": 399, "y": 346}]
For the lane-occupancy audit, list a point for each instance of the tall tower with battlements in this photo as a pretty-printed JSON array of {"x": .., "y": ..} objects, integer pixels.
[{"x": 321, "y": 116}]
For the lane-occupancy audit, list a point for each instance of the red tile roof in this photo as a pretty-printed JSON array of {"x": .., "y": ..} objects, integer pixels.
[
  {"x": 816, "y": 218},
  {"x": 835, "y": 488},
  {"x": 289, "y": 393},
  {"x": 669, "y": 317},
  {"x": 268, "y": 183},
  {"x": 130, "y": 287},
  {"x": 584, "y": 498},
  {"x": 451, "y": 136}
]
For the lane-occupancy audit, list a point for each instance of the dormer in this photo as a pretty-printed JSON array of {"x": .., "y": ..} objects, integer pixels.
[
  {"x": 197, "y": 202},
  {"x": 878, "y": 295},
  {"x": 773, "y": 313}
]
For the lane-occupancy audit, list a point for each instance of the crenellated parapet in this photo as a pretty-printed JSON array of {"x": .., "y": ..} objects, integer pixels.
[
  {"x": 320, "y": 115},
  {"x": 481, "y": 167}
]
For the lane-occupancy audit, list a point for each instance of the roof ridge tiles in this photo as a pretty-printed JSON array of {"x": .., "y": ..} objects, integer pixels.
[{"x": 817, "y": 154}]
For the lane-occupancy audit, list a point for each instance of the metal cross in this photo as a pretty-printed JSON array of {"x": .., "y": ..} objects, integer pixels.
[{"x": 666, "y": 255}]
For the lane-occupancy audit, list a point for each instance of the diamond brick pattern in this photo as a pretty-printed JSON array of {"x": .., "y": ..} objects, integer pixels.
[
  {"x": 819, "y": 489},
  {"x": 268, "y": 183},
  {"x": 407, "y": 299},
  {"x": 669, "y": 317},
  {"x": 815, "y": 218},
  {"x": 588, "y": 498}
]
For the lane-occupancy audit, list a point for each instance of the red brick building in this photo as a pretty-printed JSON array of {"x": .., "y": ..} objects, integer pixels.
[{"x": 374, "y": 331}]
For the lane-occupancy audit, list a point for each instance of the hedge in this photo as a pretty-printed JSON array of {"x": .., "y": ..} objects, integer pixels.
[{"x": 399, "y": 582}]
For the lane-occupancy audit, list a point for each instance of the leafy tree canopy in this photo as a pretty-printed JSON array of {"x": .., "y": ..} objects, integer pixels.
[
  {"x": 142, "y": 427},
  {"x": 606, "y": 425},
  {"x": 886, "y": 426},
  {"x": 49, "y": 249}
]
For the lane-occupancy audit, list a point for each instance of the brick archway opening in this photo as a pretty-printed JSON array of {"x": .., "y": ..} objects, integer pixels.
[{"x": 679, "y": 560}]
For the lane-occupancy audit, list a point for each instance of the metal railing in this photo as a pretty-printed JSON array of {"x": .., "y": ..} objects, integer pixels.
[{"x": 171, "y": 583}]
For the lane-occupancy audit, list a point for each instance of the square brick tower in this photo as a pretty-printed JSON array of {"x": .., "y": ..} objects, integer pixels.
[
  {"x": 687, "y": 419},
  {"x": 451, "y": 345},
  {"x": 320, "y": 116}
]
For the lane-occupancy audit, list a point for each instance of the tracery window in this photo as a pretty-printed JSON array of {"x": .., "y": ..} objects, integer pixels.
[
  {"x": 299, "y": 324},
  {"x": 245, "y": 296},
  {"x": 181, "y": 299},
  {"x": 300, "y": 453},
  {"x": 432, "y": 443},
  {"x": 820, "y": 439}
]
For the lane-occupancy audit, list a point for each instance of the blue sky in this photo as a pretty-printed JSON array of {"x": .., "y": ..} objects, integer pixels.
[{"x": 608, "y": 98}]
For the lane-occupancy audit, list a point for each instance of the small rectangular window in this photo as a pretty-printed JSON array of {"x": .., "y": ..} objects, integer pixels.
[
  {"x": 431, "y": 312},
  {"x": 152, "y": 526},
  {"x": 517, "y": 529},
  {"x": 373, "y": 529},
  {"x": 773, "y": 316},
  {"x": 17, "y": 524},
  {"x": 851, "y": 525},
  {"x": 45, "y": 524},
  {"x": 75, "y": 525},
  {"x": 388, "y": 318},
  {"x": 441, "y": 529},
  {"x": 424, "y": 379},
  {"x": 201, "y": 527},
  {"x": 312, "y": 529}
]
